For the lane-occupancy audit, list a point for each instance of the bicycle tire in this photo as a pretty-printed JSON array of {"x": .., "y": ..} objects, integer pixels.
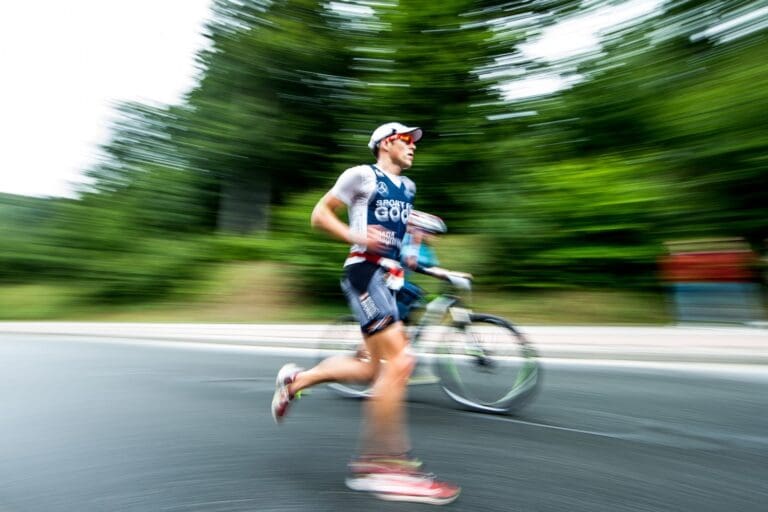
[
  {"x": 343, "y": 337},
  {"x": 487, "y": 365}
]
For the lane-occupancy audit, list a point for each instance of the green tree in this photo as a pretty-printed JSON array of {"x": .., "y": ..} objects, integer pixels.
[{"x": 264, "y": 118}]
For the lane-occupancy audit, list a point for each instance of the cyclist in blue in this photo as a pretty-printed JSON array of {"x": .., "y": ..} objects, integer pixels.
[
  {"x": 417, "y": 254},
  {"x": 379, "y": 201}
]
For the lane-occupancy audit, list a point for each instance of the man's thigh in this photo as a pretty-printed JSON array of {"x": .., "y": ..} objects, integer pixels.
[
  {"x": 372, "y": 303},
  {"x": 388, "y": 343}
]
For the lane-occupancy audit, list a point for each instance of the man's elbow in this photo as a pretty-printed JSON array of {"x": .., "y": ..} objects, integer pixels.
[{"x": 315, "y": 220}]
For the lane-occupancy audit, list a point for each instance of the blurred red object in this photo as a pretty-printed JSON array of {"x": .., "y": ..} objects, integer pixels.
[{"x": 725, "y": 263}]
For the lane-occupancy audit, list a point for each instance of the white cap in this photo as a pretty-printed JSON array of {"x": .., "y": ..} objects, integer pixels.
[{"x": 389, "y": 129}]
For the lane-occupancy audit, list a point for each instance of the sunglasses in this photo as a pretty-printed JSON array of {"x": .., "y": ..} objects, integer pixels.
[{"x": 405, "y": 137}]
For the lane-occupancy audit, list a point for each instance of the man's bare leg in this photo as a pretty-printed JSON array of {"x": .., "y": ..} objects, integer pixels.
[
  {"x": 335, "y": 369},
  {"x": 384, "y": 430}
]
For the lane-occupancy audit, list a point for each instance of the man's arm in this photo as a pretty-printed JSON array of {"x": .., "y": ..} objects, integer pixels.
[{"x": 324, "y": 216}]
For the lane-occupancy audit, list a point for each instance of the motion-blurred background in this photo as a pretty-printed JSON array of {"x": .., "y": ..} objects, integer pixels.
[{"x": 595, "y": 161}]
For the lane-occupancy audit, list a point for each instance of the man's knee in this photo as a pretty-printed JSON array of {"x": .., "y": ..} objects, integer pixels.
[
  {"x": 391, "y": 345},
  {"x": 401, "y": 366}
]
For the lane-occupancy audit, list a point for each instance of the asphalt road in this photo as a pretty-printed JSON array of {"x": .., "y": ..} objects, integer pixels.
[{"x": 100, "y": 426}]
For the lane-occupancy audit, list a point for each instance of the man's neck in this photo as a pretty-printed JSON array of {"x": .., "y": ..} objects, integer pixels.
[{"x": 389, "y": 167}]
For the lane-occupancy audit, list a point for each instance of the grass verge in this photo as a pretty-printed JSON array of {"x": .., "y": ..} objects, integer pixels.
[{"x": 268, "y": 292}]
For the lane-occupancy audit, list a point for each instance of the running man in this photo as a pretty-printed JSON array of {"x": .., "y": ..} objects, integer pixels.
[{"x": 379, "y": 200}]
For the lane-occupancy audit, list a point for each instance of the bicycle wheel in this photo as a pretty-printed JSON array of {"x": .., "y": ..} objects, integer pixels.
[
  {"x": 343, "y": 338},
  {"x": 487, "y": 365}
]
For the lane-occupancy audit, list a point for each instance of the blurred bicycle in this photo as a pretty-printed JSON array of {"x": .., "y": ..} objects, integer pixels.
[{"x": 483, "y": 362}]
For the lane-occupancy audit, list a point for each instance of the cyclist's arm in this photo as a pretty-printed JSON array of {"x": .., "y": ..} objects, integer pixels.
[
  {"x": 460, "y": 280},
  {"x": 439, "y": 272},
  {"x": 410, "y": 252}
]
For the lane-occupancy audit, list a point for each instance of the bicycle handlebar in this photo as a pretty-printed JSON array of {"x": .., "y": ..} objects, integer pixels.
[
  {"x": 460, "y": 280},
  {"x": 462, "y": 283}
]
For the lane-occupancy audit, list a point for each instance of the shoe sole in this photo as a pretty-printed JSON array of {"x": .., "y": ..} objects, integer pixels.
[
  {"x": 275, "y": 400},
  {"x": 417, "y": 499},
  {"x": 360, "y": 484}
]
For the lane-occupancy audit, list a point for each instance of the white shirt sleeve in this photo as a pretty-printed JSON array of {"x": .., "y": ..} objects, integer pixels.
[
  {"x": 354, "y": 183},
  {"x": 355, "y": 187}
]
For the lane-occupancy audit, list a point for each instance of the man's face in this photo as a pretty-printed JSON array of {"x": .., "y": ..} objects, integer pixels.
[{"x": 402, "y": 149}]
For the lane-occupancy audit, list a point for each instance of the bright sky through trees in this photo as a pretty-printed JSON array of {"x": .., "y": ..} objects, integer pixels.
[{"x": 65, "y": 64}]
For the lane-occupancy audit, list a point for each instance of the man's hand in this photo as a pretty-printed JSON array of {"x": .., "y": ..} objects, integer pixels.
[{"x": 377, "y": 241}]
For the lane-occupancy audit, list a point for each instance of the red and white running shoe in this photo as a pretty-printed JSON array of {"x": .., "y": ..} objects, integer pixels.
[
  {"x": 403, "y": 486},
  {"x": 282, "y": 396}
]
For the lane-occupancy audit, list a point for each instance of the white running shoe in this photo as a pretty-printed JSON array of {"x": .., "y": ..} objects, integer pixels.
[
  {"x": 415, "y": 487},
  {"x": 282, "y": 397}
]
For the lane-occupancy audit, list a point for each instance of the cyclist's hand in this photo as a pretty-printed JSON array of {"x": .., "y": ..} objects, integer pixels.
[{"x": 460, "y": 280}]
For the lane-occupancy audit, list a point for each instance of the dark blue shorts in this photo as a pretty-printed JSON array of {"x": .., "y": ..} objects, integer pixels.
[{"x": 369, "y": 298}]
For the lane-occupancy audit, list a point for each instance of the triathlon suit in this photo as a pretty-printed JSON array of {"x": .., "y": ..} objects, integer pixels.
[{"x": 374, "y": 198}]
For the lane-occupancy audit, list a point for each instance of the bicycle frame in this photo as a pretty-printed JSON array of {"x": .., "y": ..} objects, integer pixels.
[{"x": 434, "y": 311}]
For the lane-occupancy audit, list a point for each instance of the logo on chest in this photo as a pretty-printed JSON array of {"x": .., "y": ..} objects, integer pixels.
[
  {"x": 392, "y": 210},
  {"x": 382, "y": 188}
]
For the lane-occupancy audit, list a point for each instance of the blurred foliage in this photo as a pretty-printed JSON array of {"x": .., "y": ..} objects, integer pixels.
[
  {"x": 315, "y": 258},
  {"x": 656, "y": 136},
  {"x": 583, "y": 222}
]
